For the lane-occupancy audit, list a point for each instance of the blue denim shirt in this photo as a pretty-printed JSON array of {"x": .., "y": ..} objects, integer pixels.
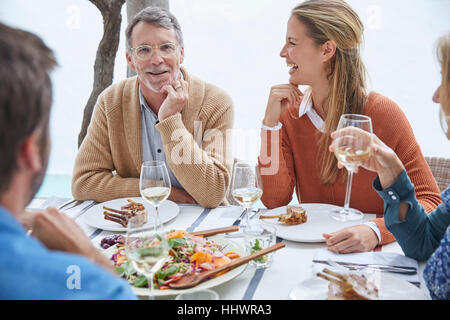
[
  {"x": 28, "y": 270},
  {"x": 437, "y": 271},
  {"x": 420, "y": 235}
]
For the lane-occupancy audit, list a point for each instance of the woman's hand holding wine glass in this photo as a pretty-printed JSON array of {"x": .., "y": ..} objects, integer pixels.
[
  {"x": 351, "y": 149},
  {"x": 383, "y": 160}
]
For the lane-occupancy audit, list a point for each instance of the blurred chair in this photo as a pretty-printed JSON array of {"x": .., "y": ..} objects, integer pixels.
[{"x": 440, "y": 167}]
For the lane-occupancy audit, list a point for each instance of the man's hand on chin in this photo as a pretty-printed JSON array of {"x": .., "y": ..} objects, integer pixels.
[{"x": 177, "y": 97}]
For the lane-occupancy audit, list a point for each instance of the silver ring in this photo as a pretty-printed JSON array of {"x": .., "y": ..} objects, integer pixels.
[{"x": 177, "y": 85}]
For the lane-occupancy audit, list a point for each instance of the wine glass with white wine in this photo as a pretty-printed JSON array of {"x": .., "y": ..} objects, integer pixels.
[
  {"x": 154, "y": 184},
  {"x": 246, "y": 186},
  {"x": 351, "y": 149},
  {"x": 147, "y": 249}
]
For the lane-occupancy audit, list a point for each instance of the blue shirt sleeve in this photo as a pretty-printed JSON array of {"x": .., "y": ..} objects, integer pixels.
[
  {"x": 420, "y": 233},
  {"x": 45, "y": 274}
]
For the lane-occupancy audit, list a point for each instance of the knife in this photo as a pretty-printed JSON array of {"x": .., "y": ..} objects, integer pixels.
[{"x": 380, "y": 267}]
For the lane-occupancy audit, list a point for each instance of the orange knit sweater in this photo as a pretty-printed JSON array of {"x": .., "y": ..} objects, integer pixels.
[{"x": 297, "y": 162}]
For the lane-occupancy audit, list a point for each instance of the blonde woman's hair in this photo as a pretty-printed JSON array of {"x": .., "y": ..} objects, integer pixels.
[
  {"x": 443, "y": 55},
  {"x": 335, "y": 20}
]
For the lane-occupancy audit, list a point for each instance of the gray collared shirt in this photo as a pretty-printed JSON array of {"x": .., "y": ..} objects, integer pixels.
[{"x": 152, "y": 146}]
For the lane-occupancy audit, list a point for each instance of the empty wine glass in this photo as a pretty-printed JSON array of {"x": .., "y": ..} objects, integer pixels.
[
  {"x": 352, "y": 149},
  {"x": 154, "y": 184},
  {"x": 146, "y": 247},
  {"x": 246, "y": 187}
]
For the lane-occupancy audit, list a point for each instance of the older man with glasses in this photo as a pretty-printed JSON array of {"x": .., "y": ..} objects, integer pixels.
[{"x": 164, "y": 113}]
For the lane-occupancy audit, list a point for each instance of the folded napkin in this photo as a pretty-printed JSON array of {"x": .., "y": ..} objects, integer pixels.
[
  {"x": 226, "y": 215},
  {"x": 43, "y": 203},
  {"x": 70, "y": 210},
  {"x": 75, "y": 212},
  {"x": 36, "y": 204},
  {"x": 382, "y": 258}
]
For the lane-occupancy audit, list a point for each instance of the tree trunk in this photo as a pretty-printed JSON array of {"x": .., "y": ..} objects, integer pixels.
[
  {"x": 134, "y": 6},
  {"x": 105, "y": 58}
]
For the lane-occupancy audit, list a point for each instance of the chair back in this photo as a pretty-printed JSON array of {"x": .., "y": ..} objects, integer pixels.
[{"x": 440, "y": 167}]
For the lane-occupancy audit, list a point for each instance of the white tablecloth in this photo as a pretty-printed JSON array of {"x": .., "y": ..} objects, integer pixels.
[{"x": 291, "y": 264}]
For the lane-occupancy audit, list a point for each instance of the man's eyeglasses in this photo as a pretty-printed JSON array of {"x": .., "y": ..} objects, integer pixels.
[{"x": 145, "y": 51}]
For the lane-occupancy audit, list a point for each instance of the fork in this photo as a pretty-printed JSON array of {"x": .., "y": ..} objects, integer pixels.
[
  {"x": 65, "y": 204},
  {"x": 238, "y": 220},
  {"x": 252, "y": 213},
  {"x": 240, "y": 234},
  {"x": 356, "y": 267}
]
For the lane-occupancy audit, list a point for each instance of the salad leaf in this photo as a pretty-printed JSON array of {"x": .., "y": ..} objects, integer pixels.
[
  {"x": 128, "y": 269},
  {"x": 140, "y": 281},
  {"x": 257, "y": 245},
  {"x": 154, "y": 252},
  {"x": 162, "y": 274},
  {"x": 120, "y": 271},
  {"x": 176, "y": 242}
]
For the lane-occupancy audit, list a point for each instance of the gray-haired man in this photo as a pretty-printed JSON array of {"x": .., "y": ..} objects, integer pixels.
[{"x": 163, "y": 113}]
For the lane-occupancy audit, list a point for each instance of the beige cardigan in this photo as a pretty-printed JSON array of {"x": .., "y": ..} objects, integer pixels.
[{"x": 195, "y": 144}]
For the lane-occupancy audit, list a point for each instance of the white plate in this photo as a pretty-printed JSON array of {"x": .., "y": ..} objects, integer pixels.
[
  {"x": 390, "y": 288},
  {"x": 230, "y": 246},
  {"x": 94, "y": 216},
  {"x": 318, "y": 223}
]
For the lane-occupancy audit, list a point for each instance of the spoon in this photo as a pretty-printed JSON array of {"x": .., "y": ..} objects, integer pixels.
[{"x": 192, "y": 280}]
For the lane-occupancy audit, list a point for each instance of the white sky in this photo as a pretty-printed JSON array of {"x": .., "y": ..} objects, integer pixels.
[{"x": 235, "y": 45}]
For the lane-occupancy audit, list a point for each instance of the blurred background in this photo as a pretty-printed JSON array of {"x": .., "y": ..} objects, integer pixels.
[{"x": 235, "y": 45}]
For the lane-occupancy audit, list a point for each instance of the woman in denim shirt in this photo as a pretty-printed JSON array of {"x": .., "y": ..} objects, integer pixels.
[{"x": 422, "y": 236}]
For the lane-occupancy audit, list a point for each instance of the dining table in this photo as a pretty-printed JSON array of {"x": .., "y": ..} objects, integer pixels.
[{"x": 291, "y": 265}]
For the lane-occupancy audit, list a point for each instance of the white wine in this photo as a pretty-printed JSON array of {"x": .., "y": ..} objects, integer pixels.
[
  {"x": 156, "y": 195},
  {"x": 247, "y": 196},
  {"x": 350, "y": 157},
  {"x": 151, "y": 261}
]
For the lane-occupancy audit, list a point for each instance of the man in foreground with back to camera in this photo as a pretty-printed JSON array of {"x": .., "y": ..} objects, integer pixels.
[
  {"x": 57, "y": 261},
  {"x": 164, "y": 113}
]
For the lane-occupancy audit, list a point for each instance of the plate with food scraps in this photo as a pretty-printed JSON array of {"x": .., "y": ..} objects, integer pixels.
[
  {"x": 370, "y": 286},
  {"x": 115, "y": 217},
  {"x": 191, "y": 256},
  {"x": 318, "y": 222}
]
